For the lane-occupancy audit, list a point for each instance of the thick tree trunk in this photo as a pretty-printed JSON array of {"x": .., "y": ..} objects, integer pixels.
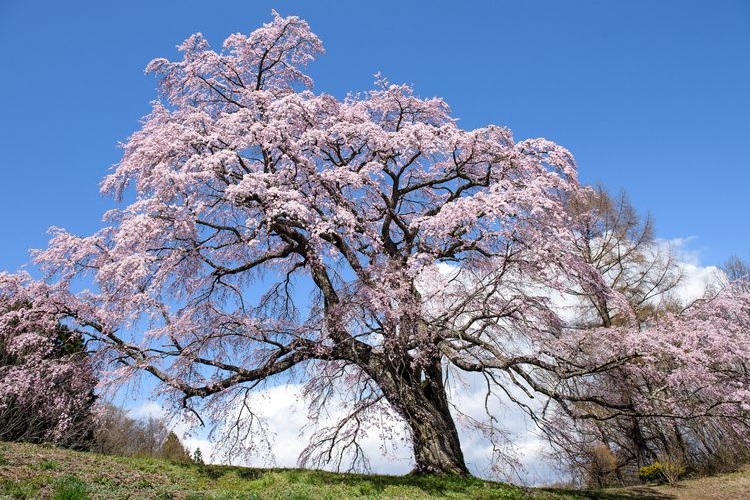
[
  {"x": 640, "y": 443},
  {"x": 420, "y": 398},
  {"x": 437, "y": 449}
]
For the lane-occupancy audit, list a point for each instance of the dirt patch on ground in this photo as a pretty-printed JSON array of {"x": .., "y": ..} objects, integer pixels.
[{"x": 731, "y": 486}]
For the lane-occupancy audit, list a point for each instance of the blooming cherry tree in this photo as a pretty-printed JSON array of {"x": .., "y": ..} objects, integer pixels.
[
  {"x": 368, "y": 245},
  {"x": 46, "y": 378}
]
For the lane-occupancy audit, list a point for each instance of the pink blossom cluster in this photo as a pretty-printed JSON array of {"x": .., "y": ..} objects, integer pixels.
[{"x": 39, "y": 380}]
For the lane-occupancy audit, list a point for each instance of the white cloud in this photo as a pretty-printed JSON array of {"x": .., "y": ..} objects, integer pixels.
[
  {"x": 696, "y": 278},
  {"x": 148, "y": 409},
  {"x": 695, "y": 281},
  {"x": 285, "y": 412}
]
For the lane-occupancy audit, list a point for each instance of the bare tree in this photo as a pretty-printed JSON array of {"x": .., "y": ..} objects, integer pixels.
[
  {"x": 737, "y": 272},
  {"x": 117, "y": 433}
]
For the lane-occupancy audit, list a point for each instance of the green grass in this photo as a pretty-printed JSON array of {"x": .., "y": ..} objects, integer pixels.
[
  {"x": 49, "y": 465},
  {"x": 69, "y": 488},
  {"x": 30, "y": 472}
]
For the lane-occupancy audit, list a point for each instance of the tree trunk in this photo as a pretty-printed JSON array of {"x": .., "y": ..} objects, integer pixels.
[
  {"x": 437, "y": 449},
  {"x": 419, "y": 397},
  {"x": 642, "y": 450}
]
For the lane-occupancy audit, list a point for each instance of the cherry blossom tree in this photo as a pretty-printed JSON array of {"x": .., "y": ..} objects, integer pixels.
[
  {"x": 686, "y": 390},
  {"x": 369, "y": 246},
  {"x": 46, "y": 378}
]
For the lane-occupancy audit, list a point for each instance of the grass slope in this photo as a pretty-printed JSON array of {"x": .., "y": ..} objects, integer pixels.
[{"x": 31, "y": 471}]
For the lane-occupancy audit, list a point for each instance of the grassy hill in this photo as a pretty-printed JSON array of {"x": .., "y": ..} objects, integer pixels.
[{"x": 30, "y": 471}]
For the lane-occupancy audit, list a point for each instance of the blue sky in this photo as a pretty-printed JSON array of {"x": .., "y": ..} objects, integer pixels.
[{"x": 652, "y": 97}]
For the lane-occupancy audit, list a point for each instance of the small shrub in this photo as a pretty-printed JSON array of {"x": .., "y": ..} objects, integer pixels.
[
  {"x": 249, "y": 474},
  {"x": 672, "y": 470},
  {"x": 601, "y": 466},
  {"x": 70, "y": 488},
  {"x": 651, "y": 473},
  {"x": 3, "y": 460}
]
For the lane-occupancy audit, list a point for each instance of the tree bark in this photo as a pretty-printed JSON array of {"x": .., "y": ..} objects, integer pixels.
[
  {"x": 419, "y": 397},
  {"x": 435, "y": 442}
]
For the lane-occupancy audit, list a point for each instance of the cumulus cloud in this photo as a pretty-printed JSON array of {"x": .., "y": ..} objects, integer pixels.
[
  {"x": 696, "y": 278},
  {"x": 148, "y": 409},
  {"x": 285, "y": 413}
]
